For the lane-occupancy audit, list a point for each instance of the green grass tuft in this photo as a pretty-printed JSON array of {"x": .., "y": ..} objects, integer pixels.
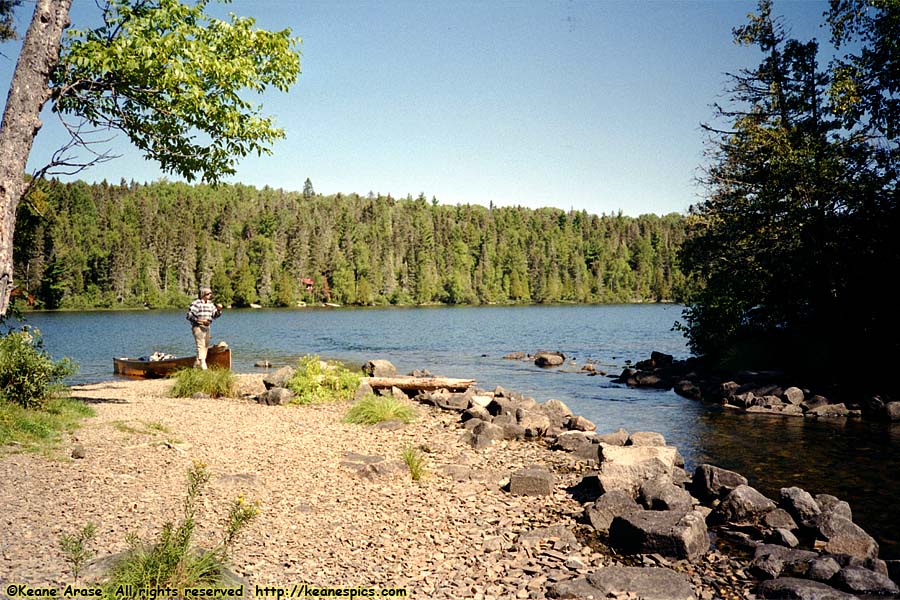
[
  {"x": 415, "y": 460},
  {"x": 218, "y": 383},
  {"x": 40, "y": 429},
  {"x": 373, "y": 409},
  {"x": 315, "y": 381}
]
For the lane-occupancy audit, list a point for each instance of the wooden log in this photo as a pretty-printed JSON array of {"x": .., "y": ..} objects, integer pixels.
[{"x": 419, "y": 383}]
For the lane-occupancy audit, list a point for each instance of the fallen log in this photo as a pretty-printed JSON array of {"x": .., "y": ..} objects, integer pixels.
[{"x": 419, "y": 383}]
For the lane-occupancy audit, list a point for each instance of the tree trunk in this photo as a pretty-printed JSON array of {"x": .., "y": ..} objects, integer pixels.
[{"x": 28, "y": 92}]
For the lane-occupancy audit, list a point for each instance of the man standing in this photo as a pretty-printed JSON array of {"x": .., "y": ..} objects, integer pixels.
[{"x": 201, "y": 313}]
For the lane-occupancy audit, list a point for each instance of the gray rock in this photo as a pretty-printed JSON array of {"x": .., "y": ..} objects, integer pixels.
[
  {"x": 828, "y": 410},
  {"x": 845, "y": 537},
  {"x": 513, "y": 431},
  {"x": 616, "y": 438},
  {"x": 627, "y": 467},
  {"x": 662, "y": 494},
  {"x": 771, "y": 561},
  {"x": 831, "y": 505},
  {"x": 475, "y": 412},
  {"x": 579, "y": 423},
  {"x": 557, "y": 411},
  {"x": 814, "y": 402},
  {"x": 450, "y": 401},
  {"x": 892, "y": 411},
  {"x": 78, "y": 451},
  {"x": 363, "y": 390},
  {"x": 534, "y": 422},
  {"x": 800, "y": 504},
  {"x": 793, "y": 395},
  {"x": 646, "y": 438},
  {"x": 792, "y": 588},
  {"x": 485, "y": 434},
  {"x": 532, "y": 481},
  {"x": 279, "y": 378},
  {"x": 743, "y": 505},
  {"x": 204, "y": 396},
  {"x": 783, "y": 537},
  {"x": 823, "y": 568},
  {"x": 609, "y": 506},
  {"x": 571, "y": 441},
  {"x": 712, "y": 483},
  {"x": 276, "y": 396},
  {"x": 863, "y": 581},
  {"x": 669, "y": 533},
  {"x": 578, "y": 588},
  {"x": 779, "y": 519},
  {"x": 549, "y": 359},
  {"x": 379, "y": 368},
  {"x": 646, "y": 583}
]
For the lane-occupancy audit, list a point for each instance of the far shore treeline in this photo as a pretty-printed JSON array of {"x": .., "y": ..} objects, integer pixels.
[{"x": 85, "y": 246}]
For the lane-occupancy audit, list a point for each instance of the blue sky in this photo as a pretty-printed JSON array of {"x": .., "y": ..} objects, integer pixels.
[{"x": 592, "y": 105}]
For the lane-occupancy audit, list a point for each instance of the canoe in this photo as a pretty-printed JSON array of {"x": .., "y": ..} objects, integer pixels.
[{"x": 217, "y": 357}]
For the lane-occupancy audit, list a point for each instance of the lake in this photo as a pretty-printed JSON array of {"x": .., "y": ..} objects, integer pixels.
[{"x": 853, "y": 460}]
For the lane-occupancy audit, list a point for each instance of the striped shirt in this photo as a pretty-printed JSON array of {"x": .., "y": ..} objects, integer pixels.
[{"x": 202, "y": 310}]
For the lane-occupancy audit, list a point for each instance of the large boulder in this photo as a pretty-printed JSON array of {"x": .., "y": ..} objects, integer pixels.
[
  {"x": 793, "y": 588},
  {"x": 484, "y": 434},
  {"x": 535, "y": 422},
  {"x": 742, "y": 506},
  {"x": 843, "y": 536},
  {"x": 713, "y": 483},
  {"x": 647, "y": 583},
  {"x": 662, "y": 494},
  {"x": 863, "y": 581},
  {"x": 771, "y": 561},
  {"x": 549, "y": 359},
  {"x": 670, "y": 533},
  {"x": 557, "y": 411},
  {"x": 532, "y": 481},
  {"x": 627, "y": 467},
  {"x": 279, "y": 378},
  {"x": 645, "y": 438},
  {"x": 800, "y": 504},
  {"x": 609, "y": 506},
  {"x": 379, "y": 368}
]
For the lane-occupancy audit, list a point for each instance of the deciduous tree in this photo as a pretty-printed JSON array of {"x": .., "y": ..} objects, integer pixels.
[{"x": 169, "y": 76}]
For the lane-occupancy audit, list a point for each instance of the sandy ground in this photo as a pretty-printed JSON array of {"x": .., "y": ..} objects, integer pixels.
[{"x": 322, "y": 520}]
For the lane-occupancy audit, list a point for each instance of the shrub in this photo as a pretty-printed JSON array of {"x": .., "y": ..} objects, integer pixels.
[
  {"x": 373, "y": 409},
  {"x": 316, "y": 381},
  {"x": 218, "y": 383},
  {"x": 173, "y": 562},
  {"x": 28, "y": 376}
]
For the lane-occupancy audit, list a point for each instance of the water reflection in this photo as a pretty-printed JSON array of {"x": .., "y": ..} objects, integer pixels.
[{"x": 851, "y": 459}]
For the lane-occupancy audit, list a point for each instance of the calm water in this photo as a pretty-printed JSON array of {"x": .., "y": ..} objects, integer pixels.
[{"x": 854, "y": 461}]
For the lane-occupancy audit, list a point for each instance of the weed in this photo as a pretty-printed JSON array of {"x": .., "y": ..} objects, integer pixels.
[
  {"x": 316, "y": 381},
  {"x": 415, "y": 460},
  {"x": 218, "y": 383},
  {"x": 75, "y": 547},
  {"x": 173, "y": 562},
  {"x": 373, "y": 409}
]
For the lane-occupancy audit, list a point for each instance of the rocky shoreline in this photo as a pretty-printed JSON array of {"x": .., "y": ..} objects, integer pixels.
[
  {"x": 753, "y": 392},
  {"x": 525, "y": 500}
]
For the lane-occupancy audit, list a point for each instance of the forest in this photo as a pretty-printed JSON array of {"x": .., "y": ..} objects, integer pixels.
[{"x": 86, "y": 246}]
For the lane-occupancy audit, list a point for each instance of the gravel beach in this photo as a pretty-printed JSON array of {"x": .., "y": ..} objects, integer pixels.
[{"x": 327, "y": 518}]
